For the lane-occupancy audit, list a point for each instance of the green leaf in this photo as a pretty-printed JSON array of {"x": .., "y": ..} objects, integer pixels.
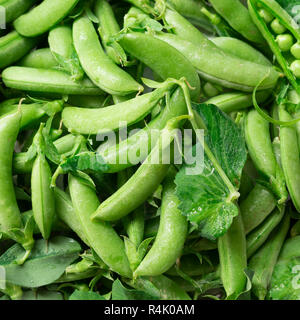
[
  {"x": 41, "y": 294},
  {"x": 119, "y": 292},
  {"x": 45, "y": 264},
  {"x": 205, "y": 199},
  {"x": 85, "y": 295}
]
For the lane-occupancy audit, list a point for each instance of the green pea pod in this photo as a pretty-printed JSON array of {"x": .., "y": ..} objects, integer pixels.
[
  {"x": 13, "y": 47},
  {"x": 47, "y": 81},
  {"x": 238, "y": 17},
  {"x": 171, "y": 234},
  {"x": 61, "y": 45},
  {"x": 87, "y": 101},
  {"x": 10, "y": 216},
  {"x": 295, "y": 230},
  {"x": 233, "y": 259},
  {"x": 258, "y": 139},
  {"x": 97, "y": 121},
  {"x": 142, "y": 140},
  {"x": 15, "y": 8},
  {"x": 97, "y": 65},
  {"x": 241, "y": 50},
  {"x": 256, "y": 207},
  {"x": 65, "y": 213},
  {"x": 40, "y": 58},
  {"x": 290, "y": 157},
  {"x": 156, "y": 55},
  {"x": 145, "y": 180},
  {"x": 282, "y": 24},
  {"x": 43, "y": 201},
  {"x": 263, "y": 262},
  {"x": 43, "y": 17},
  {"x": 100, "y": 235},
  {"x": 258, "y": 236}
]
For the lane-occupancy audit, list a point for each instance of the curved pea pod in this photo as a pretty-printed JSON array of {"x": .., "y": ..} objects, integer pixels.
[
  {"x": 286, "y": 24},
  {"x": 216, "y": 66},
  {"x": 40, "y": 58},
  {"x": 47, "y": 80},
  {"x": 145, "y": 180},
  {"x": 66, "y": 213},
  {"x": 237, "y": 15},
  {"x": 43, "y": 17},
  {"x": 156, "y": 54},
  {"x": 233, "y": 259},
  {"x": 142, "y": 140},
  {"x": 171, "y": 234},
  {"x": 258, "y": 139},
  {"x": 100, "y": 235},
  {"x": 96, "y": 121},
  {"x": 43, "y": 201},
  {"x": 264, "y": 260},
  {"x": 10, "y": 216},
  {"x": 236, "y": 101},
  {"x": 61, "y": 45},
  {"x": 13, "y": 47},
  {"x": 241, "y": 50},
  {"x": 258, "y": 236},
  {"x": 256, "y": 207},
  {"x": 290, "y": 157},
  {"x": 15, "y": 8},
  {"x": 97, "y": 65}
]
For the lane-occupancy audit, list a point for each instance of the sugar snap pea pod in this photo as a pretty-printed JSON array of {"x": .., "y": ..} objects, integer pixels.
[
  {"x": 101, "y": 236},
  {"x": 40, "y": 58},
  {"x": 295, "y": 230},
  {"x": 216, "y": 66},
  {"x": 155, "y": 54},
  {"x": 65, "y": 212},
  {"x": 145, "y": 180},
  {"x": 15, "y": 8},
  {"x": 258, "y": 236},
  {"x": 43, "y": 17},
  {"x": 61, "y": 45},
  {"x": 241, "y": 50},
  {"x": 97, "y": 65},
  {"x": 10, "y": 216},
  {"x": 290, "y": 157},
  {"x": 233, "y": 259},
  {"x": 258, "y": 139},
  {"x": 43, "y": 201},
  {"x": 113, "y": 155},
  {"x": 95, "y": 121},
  {"x": 47, "y": 80},
  {"x": 272, "y": 19},
  {"x": 256, "y": 207},
  {"x": 237, "y": 15},
  {"x": 13, "y": 47},
  {"x": 264, "y": 260},
  {"x": 171, "y": 234}
]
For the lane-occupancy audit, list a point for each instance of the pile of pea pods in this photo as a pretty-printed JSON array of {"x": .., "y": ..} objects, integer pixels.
[{"x": 91, "y": 212}]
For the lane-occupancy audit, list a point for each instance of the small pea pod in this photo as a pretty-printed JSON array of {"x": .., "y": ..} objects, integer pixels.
[
  {"x": 13, "y": 47},
  {"x": 237, "y": 15},
  {"x": 258, "y": 236},
  {"x": 145, "y": 180},
  {"x": 290, "y": 157},
  {"x": 47, "y": 81},
  {"x": 171, "y": 234},
  {"x": 15, "y": 8},
  {"x": 97, "y": 65},
  {"x": 43, "y": 17},
  {"x": 256, "y": 207},
  {"x": 61, "y": 45},
  {"x": 233, "y": 259},
  {"x": 40, "y": 58},
  {"x": 101, "y": 236},
  {"x": 263, "y": 262},
  {"x": 43, "y": 201},
  {"x": 258, "y": 139}
]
